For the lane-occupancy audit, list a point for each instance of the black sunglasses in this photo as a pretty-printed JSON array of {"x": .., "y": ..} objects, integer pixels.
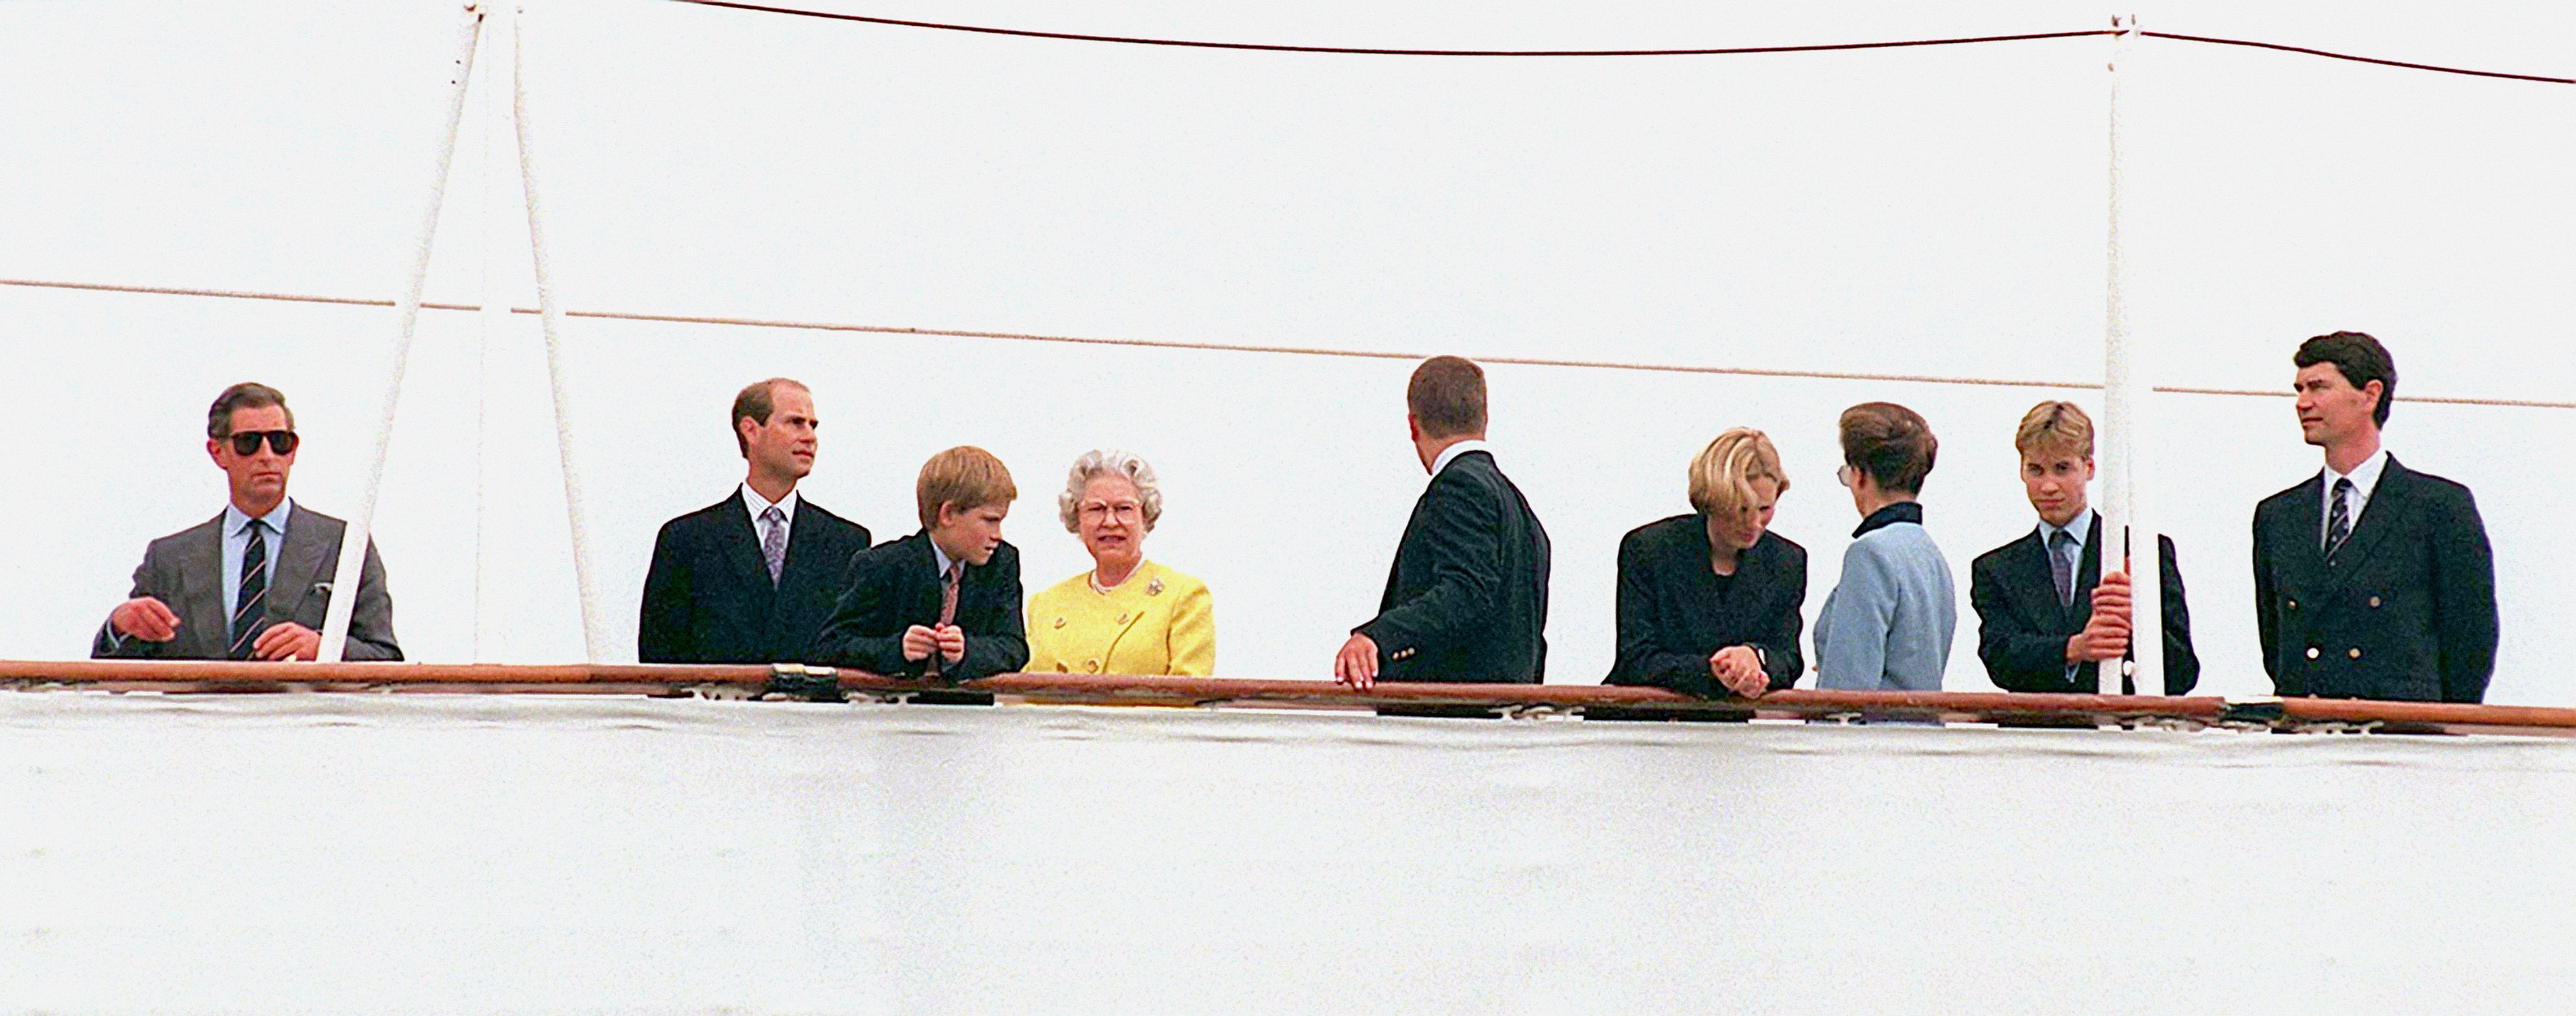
[{"x": 280, "y": 441}]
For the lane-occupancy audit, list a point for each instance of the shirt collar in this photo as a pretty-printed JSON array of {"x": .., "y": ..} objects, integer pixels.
[
  {"x": 937, "y": 555},
  {"x": 757, "y": 504},
  {"x": 235, "y": 519},
  {"x": 2364, "y": 477},
  {"x": 1902, "y": 511},
  {"x": 1451, "y": 453},
  {"x": 2077, "y": 528}
]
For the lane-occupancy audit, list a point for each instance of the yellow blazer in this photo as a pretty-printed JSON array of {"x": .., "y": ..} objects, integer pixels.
[{"x": 1157, "y": 622}]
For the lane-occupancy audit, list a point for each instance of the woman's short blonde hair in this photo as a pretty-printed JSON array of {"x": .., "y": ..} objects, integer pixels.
[
  {"x": 1721, "y": 478},
  {"x": 1109, "y": 462}
]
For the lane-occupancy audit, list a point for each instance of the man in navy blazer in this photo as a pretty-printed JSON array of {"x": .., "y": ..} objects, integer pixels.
[
  {"x": 1467, "y": 597},
  {"x": 751, "y": 578},
  {"x": 2371, "y": 580},
  {"x": 943, "y": 603},
  {"x": 251, "y": 583},
  {"x": 2045, "y": 611}
]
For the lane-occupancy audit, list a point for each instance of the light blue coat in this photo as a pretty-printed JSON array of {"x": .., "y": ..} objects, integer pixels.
[{"x": 1887, "y": 624}]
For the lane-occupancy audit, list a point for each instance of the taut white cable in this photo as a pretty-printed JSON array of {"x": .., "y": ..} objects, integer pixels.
[
  {"x": 500, "y": 158},
  {"x": 346, "y": 573},
  {"x": 550, "y": 314},
  {"x": 2123, "y": 407}
]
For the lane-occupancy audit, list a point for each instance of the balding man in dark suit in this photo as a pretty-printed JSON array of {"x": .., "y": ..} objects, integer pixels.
[{"x": 751, "y": 578}]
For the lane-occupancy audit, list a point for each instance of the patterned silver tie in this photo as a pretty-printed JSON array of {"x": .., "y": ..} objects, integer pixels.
[
  {"x": 2061, "y": 565},
  {"x": 773, "y": 541}
]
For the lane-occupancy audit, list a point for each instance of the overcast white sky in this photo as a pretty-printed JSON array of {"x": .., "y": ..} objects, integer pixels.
[{"x": 1929, "y": 211}]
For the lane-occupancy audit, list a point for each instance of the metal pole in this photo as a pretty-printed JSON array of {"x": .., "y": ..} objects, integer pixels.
[
  {"x": 353, "y": 543},
  {"x": 594, "y": 634},
  {"x": 2128, "y": 544},
  {"x": 500, "y": 157}
]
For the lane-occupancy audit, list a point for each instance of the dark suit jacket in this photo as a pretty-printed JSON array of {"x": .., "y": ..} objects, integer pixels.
[
  {"x": 185, "y": 570},
  {"x": 895, "y": 585},
  {"x": 2406, "y": 611},
  {"x": 708, "y": 599},
  {"x": 2022, "y": 631},
  {"x": 1674, "y": 613},
  {"x": 1467, "y": 597}
]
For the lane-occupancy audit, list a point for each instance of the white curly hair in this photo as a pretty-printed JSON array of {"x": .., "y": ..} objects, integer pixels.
[{"x": 1109, "y": 462}]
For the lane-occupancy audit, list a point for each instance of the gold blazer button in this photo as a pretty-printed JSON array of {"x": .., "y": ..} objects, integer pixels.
[
  {"x": 2355, "y": 653},
  {"x": 2374, "y": 601},
  {"x": 2312, "y": 652}
]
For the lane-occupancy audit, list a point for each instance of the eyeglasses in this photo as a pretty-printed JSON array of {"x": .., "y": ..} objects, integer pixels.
[
  {"x": 280, "y": 441},
  {"x": 1847, "y": 475},
  {"x": 1125, "y": 511}
]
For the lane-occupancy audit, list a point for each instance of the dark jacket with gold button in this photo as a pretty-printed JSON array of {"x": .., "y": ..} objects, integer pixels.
[
  {"x": 1467, "y": 597},
  {"x": 2405, "y": 611}
]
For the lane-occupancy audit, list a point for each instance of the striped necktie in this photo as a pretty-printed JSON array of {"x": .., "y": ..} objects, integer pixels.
[
  {"x": 2338, "y": 518},
  {"x": 252, "y": 597}
]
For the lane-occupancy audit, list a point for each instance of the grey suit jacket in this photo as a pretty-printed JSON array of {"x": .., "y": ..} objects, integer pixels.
[{"x": 185, "y": 570}]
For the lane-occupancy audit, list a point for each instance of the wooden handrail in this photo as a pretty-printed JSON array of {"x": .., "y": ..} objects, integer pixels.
[{"x": 1597, "y": 701}]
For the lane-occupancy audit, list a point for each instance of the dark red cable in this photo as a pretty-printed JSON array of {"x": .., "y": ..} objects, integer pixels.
[
  {"x": 2359, "y": 59},
  {"x": 1279, "y": 48},
  {"x": 1721, "y": 51}
]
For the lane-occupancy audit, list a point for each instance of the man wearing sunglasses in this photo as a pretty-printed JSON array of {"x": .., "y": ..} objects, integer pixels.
[{"x": 253, "y": 582}]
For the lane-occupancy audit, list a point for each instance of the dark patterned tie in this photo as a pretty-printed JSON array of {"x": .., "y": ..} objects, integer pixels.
[
  {"x": 773, "y": 541},
  {"x": 253, "y": 592},
  {"x": 947, "y": 612},
  {"x": 2338, "y": 518},
  {"x": 2061, "y": 565}
]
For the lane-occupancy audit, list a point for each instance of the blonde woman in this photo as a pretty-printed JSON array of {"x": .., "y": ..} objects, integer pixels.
[
  {"x": 1708, "y": 602},
  {"x": 1127, "y": 615}
]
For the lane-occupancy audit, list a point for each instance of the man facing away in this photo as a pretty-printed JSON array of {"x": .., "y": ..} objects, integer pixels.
[
  {"x": 1467, "y": 597},
  {"x": 751, "y": 578},
  {"x": 2045, "y": 606},
  {"x": 943, "y": 603},
  {"x": 254, "y": 582},
  {"x": 2371, "y": 580}
]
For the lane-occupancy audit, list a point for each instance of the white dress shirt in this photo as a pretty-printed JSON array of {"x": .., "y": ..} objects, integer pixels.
[
  {"x": 2364, "y": 477},
  {"x": 757, "y": 504},
  {"x": 1451, "y": 453}
]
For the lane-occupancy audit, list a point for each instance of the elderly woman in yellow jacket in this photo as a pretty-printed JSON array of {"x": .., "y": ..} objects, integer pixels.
[{"x": 1127, "y": 615}]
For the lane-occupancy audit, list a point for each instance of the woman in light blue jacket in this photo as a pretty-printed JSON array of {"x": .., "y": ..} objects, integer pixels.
[{"x": 1887, "y": 624}]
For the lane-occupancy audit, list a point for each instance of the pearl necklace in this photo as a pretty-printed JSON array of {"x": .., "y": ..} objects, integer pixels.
[{"x": 1094, "y": 580}]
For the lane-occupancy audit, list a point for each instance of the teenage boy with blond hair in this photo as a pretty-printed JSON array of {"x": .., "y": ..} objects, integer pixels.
[{"x": 2045, "y": 608}]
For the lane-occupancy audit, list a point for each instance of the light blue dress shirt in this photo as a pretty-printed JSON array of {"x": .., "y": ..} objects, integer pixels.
[{"x": 237, "y": 534}]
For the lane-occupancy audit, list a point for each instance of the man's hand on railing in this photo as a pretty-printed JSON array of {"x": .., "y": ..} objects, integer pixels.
[
  {"x": 1356, "y": 664},
  {"x": 286, "y": 640}
]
